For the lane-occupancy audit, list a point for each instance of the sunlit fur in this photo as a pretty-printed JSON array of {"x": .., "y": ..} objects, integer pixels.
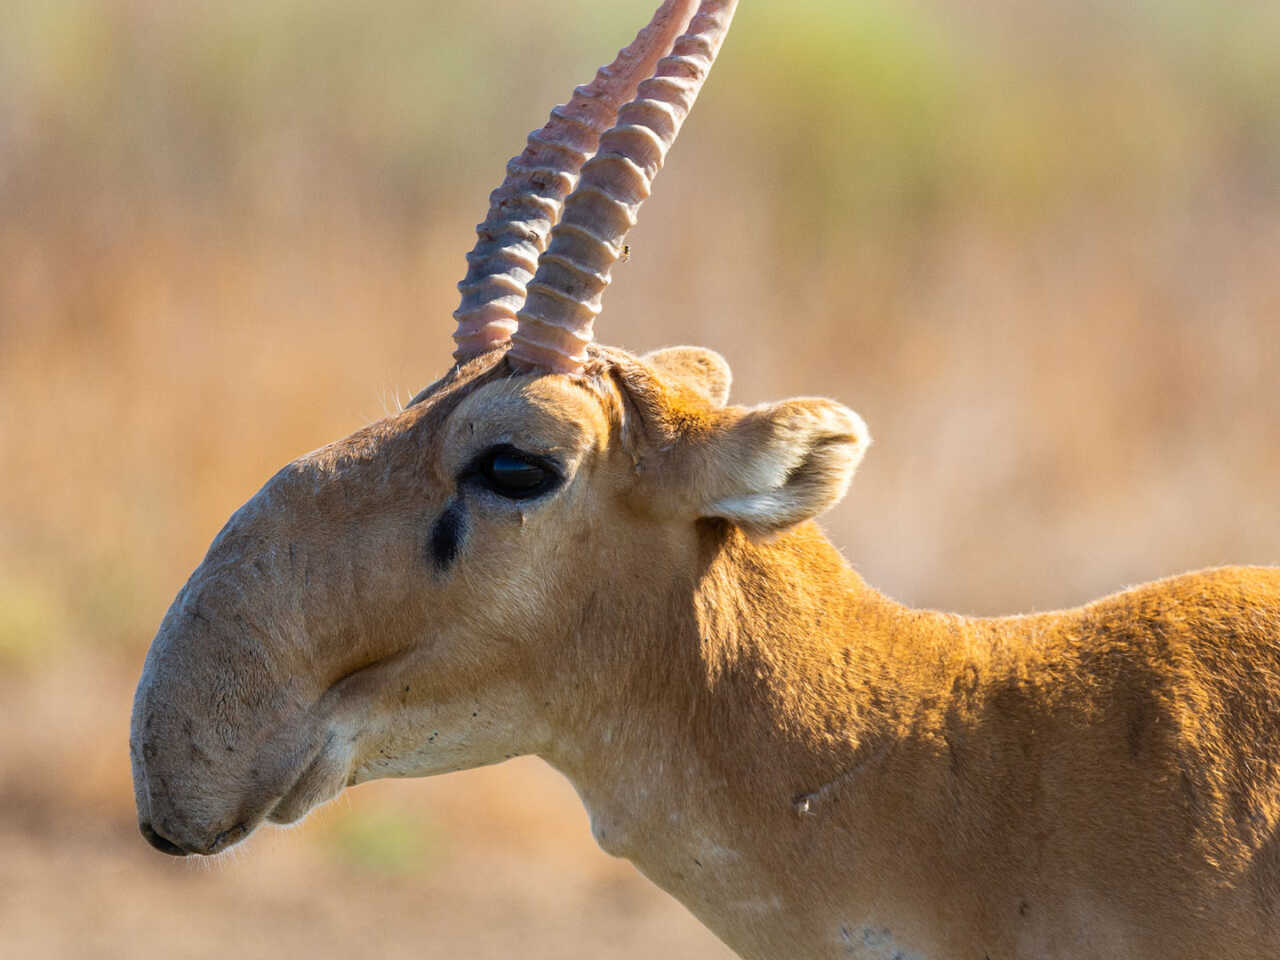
[{"x": 813, "y": 769}]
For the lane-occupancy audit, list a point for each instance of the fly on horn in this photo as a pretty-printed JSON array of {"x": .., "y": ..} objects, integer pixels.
[
  {"x": 558, "y": 318},
  {"x": 527, "y": 204}
]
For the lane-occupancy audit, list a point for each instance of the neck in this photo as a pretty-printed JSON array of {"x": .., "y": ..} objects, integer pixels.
[{"x": 770, "y": 687}]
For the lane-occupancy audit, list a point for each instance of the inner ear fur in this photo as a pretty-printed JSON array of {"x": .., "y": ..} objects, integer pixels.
[
  {"x": 696, "y": 368},
  {"x": 763, "y": 468},
  {"x": 773, "y": 466}
]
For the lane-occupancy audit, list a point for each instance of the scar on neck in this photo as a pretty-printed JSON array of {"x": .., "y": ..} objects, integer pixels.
[{"x": 808, "y": 802}]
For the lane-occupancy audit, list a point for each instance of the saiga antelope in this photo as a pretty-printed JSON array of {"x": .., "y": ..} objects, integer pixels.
[{"x": 571, "y": 551}]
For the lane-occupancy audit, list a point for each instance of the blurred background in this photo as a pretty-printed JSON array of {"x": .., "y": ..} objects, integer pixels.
[{"x": 1036, "y": 243}]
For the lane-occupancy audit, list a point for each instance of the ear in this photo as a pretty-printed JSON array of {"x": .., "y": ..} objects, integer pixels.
[
  {"x": 701, "y": 370},
  {"x": 778, "y": 465}
]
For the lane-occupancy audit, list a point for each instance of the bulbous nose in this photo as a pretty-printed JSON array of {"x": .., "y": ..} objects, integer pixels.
[{"x": 161, "y": 843}]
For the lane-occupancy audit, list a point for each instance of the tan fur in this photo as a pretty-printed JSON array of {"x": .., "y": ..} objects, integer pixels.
[{"x": 813, "y": 769}]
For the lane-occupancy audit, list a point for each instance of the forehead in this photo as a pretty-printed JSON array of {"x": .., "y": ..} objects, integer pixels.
[{"x": 544, "y": 414}]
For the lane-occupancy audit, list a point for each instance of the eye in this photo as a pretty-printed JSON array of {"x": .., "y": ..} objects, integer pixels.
[{"x": 514, "y": 474}]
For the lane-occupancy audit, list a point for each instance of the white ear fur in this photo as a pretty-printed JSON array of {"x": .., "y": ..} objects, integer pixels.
[{"x": 784, "y": 463}]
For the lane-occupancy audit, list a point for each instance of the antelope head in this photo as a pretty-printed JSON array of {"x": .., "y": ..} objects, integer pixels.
[{"x": 427, "y": 594}]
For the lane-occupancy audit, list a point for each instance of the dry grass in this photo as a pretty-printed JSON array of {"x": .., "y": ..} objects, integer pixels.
[{"x": 1037, "y": 246}]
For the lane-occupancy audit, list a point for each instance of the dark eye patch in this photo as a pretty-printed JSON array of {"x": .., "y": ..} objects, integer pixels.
[{"x": 446, "y": 536}]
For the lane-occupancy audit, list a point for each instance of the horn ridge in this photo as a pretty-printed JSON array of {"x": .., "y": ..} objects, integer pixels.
[
  {"x": 557, "y": 320},
  {"x": 524, "y": 208}
]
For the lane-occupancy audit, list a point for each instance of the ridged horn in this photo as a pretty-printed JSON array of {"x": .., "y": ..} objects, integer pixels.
[
  {"x": 524, "y": 209},
  {"x": 557, "y": 320}
]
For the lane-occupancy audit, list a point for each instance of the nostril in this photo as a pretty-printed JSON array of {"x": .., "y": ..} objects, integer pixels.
[{"x": 163, "y": 844}]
